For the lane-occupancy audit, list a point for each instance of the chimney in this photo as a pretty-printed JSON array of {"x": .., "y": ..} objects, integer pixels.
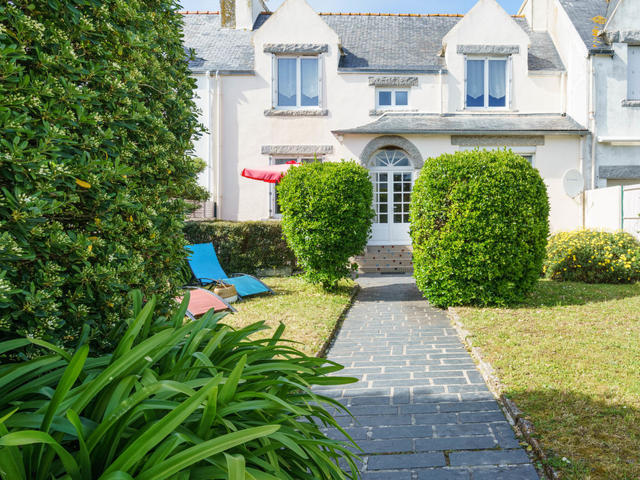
[{"x": 240, "y": 14}]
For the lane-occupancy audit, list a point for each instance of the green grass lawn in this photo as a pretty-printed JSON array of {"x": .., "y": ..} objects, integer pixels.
[
  {"x": 569, "y": 357},
  {"x": 309, "y": 313}
]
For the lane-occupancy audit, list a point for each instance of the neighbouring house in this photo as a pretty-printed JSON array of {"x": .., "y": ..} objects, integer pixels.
[
  {"x": 393, "y": 90},
  {"x": 599, "y": 43}
]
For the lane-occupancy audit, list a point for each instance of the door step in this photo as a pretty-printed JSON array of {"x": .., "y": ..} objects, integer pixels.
[{"x": 386, "y": 259}]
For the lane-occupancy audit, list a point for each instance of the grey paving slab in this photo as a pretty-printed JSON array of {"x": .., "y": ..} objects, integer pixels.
[{"x": 421, "y": 408}]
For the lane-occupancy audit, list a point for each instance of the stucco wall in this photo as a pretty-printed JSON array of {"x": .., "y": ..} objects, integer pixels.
[{"x": 613, "y": 120}]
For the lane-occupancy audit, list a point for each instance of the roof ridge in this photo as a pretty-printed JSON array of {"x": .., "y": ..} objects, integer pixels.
[{"x": 344, "y": 14}]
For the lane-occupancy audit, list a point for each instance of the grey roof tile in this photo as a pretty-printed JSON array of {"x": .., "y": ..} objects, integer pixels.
[
  {"x": 369, "y": 43},
  {"x": 476, "y": 124},
  {"x": 581, "y": 14}
]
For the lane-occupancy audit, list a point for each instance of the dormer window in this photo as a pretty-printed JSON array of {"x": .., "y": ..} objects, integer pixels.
[
  {"x": 298, "y": 82},
  {"x": 390, "y": 98},
  {"x": 487, "y": 82}
]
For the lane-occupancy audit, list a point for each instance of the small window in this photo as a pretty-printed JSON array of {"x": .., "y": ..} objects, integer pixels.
[
  {"x": 392, "y": 98},
  {"x": 298, "y": 82},
  {"x": 486, "y": 83},
  {"x": 276, "y": 212},
  {"x": 633, "y": 66}
]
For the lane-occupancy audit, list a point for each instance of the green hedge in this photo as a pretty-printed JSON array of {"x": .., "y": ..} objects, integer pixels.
[
  {"x": 96, "y": 124},
  {"x": 479, "y": 224},
  {"x": 244, "y": 246},
  {"x": 593, "y": 257},
  {"x": 326, "y": 217}
]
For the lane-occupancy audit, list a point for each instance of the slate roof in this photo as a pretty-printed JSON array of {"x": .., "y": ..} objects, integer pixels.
[
  {"x": 470, "y": 124},
  {"x": 581, "y": 14},
  {"x": 375, "y": 43}
]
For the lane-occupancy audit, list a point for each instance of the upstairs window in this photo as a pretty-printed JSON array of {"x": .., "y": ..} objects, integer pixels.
[
  {"x": 297, "y": 82},
  {"x": 392, "y": 98},
  {"x": 487, "y": 83},
  {"x": 633, "y": 67}
]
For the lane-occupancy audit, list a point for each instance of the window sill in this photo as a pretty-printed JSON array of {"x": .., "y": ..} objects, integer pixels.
[
  {"x": 496, "y": 110},
  {"x": 631, "y": 103},
  {"x": 297, "y": 112},
  {"x": 379, "y": 111}
]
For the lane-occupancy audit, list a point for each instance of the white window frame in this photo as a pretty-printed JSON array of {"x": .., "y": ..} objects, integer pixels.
[
  {"x": 633, "y": 76},
  {"x": 393, "y": 92},
  {"x": 508, "y": 80},
  {"x": 272, "y": 188},
  {"x": 298, "y": 105}
]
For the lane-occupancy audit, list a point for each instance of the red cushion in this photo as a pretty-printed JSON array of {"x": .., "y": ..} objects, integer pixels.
[{"x": 202, "y": 301}]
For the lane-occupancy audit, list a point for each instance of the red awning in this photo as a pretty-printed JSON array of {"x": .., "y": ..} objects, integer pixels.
[{"x": 270, "y": 174}]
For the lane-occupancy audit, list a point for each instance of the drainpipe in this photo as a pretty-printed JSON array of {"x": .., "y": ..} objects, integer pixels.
[
  {"x": 219, "y": 143},
  {"x": 441, "y": 92},
  {"x": 210, "y": 128},
  {"x": 563, "y": 99},
  {"x": 592, "y": 121}
]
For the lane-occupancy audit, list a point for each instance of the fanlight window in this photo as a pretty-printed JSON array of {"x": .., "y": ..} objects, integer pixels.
[{"x": 391, "y": 158}]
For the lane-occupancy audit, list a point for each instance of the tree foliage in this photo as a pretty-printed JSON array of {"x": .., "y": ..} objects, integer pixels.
[
  {"x": 326, "y": 217},
  {"x": 96, "y": 119},
  {"x": 479, "y": 225}
]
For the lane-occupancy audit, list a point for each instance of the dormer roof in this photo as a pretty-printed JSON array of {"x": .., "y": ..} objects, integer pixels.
[{"x": 369, "y": 43}]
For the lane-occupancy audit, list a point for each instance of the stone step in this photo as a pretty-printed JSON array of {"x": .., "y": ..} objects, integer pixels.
[
  {"x": 385, "y": 270},
  {"x": 386, "y": 259}
]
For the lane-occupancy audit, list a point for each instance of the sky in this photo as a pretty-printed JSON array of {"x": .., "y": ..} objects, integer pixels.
[{"x": 377, "y": 6}]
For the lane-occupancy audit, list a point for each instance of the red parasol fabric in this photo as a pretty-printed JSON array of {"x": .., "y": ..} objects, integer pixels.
[{"x": 270, "y": 174}]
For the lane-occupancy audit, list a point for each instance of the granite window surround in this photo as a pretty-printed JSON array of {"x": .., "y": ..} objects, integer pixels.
[
  {"x": 296, "y": 112},
  {"x": 393, "y": 81},
  {"x": 296, "y": 150},
  {"x": 619, "y": 171},
  {"x": 296, "y": 48},
  {"x": 488, "y": 49}
]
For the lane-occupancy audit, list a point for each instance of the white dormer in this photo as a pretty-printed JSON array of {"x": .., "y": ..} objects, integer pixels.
[{"x": 486, "y": 54}]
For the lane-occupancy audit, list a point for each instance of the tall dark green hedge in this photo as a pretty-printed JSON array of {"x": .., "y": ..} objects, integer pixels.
[
  {"x": 244, "y": 246},
  {"x": 96, "y": 119},
  {"x": 326, "y": 217},
  {"x": 479, "y": 225}
]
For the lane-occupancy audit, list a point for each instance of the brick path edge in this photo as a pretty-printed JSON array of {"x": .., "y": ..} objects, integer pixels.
[
  {"x": 514, "y": 415},
  {"x": 326, "y": 346}
]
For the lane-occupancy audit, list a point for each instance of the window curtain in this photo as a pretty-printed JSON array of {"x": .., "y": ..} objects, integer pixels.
[
  {"x": 309, "y": 80},
  {"x": 497, "y": 83},
  {"x": 287, "y": 82},
  {"x": 475, "y": 83}
]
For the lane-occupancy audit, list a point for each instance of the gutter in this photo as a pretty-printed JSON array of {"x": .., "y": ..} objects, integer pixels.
[
  {"x": 210, "y": 162},
  {"x": 506, "y": 133},
  {"x": 218, "y": 205},
  {"x": 592, "y": 121}
]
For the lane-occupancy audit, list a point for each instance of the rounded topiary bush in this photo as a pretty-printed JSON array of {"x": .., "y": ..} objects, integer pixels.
[
  {"x": 479, "y": 225},
  {"x": 593, "y": 257},
  {"x": 326, "y": 217}
]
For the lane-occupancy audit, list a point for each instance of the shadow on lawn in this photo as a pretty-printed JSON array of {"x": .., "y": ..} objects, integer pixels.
[
  {"x": 552, "y": 294},
  {"x": 600, "y": 440}
]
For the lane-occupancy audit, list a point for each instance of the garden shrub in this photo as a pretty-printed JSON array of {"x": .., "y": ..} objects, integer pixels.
[
  {"x": 326, "y": 217},
  {"x": 96, "y": 122},
  {"x": 198, "y": 398},
  {"x": 244, "y": 246},
  {"x": 479, "y": 225},
  {"x": 593, "y": 257}
]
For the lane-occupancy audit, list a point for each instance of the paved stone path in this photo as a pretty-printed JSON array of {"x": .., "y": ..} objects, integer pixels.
[{"x": 422, "y": 409}]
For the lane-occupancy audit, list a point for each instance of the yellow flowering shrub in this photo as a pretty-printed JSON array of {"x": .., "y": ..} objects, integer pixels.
[{"x": 593, "y": 257}]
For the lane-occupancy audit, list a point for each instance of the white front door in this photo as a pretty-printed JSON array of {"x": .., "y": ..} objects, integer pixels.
[{"x": 392, "y": 176}]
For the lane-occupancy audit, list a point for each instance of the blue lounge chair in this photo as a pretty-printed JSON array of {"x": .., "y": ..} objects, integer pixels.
[{"x": 206, "y": 269}]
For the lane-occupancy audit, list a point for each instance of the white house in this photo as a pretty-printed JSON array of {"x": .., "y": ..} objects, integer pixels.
[
  {"x": 393, "y": 90},
  {"x": 599, "y": 43}
]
